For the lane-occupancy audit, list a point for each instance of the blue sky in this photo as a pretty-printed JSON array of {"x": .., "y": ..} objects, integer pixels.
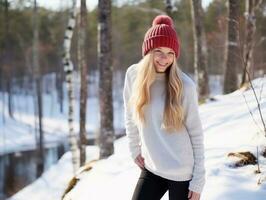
[{"x": 55, "y": 4}]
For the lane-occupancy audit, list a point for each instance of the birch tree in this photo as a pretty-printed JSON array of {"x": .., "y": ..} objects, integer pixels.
[
  {"x": 250, "y": 29},
  {"x": 68, "y": 68},
  {"x": 232, "y": 49},
  {"x": 106, "y": 135},
  {"x": 83, "y": 80},
  {"x": 38, "y": 82},
  {"x": 200, "y": 49}
]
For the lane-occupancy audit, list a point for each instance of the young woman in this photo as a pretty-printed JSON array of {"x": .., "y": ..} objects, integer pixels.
[{"x": 162, "y": 120}]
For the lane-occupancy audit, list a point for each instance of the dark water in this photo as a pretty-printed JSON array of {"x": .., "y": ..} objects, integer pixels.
[{"x": 20, "y": 168}]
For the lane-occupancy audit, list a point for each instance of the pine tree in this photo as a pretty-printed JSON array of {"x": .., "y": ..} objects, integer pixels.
[
  {"x": 38, "y": 81},
  {"x": 106, "y": 135},
  {"x": 200, "y": 49},
  {"x": 83, "y": 80},
  {"x": 250, "y": 29},
  {"x": 232, "y": 48}
]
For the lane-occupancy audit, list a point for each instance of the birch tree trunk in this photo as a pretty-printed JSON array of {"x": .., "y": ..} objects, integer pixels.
[
  {"x": 38, "y": 81},
  {"x": 106, "y": 135},
  {"x": 250, "y": 29},
  {"x": 68, "y": 67},
  {"x": 83, "y": 80},
  {"x": 200, "y": 49},
  {"x": 232, "y": 48}
]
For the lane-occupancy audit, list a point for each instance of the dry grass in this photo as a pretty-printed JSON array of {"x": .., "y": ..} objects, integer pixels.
[
  {"x": 73, "y": 182},
  {"x": 245, "y": 158}
]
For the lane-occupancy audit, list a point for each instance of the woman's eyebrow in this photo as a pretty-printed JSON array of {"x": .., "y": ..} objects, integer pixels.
[
  {"x": 170, "y": 52},
  {"x": 159, "y": 48}
]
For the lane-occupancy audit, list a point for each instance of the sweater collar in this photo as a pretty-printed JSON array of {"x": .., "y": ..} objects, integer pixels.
[{"x": 160, "y": 76}]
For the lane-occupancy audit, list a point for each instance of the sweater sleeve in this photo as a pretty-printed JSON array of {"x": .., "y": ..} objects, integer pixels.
[
  {"x": 132, "y": 131},
  {"x": 195, "y": 131}
]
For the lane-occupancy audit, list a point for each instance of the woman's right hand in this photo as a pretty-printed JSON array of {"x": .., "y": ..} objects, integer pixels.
[{"x": 139, "y": 160}]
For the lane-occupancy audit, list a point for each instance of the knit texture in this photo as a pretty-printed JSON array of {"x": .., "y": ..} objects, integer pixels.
[
  {"x": 177, "y": 156},
  {"x": 161, "y": 34}
]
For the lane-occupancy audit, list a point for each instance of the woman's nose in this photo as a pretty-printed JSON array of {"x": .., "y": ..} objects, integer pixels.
[{"x": 163, "y": 56}]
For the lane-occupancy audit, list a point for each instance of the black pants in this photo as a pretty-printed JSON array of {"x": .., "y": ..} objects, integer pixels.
[{"x": 153, "y": 187}]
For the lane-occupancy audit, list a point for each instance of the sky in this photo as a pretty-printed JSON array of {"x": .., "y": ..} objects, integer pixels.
[{"x": 55, "y": 4}]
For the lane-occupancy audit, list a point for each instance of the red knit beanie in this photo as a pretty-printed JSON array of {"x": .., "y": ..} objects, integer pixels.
[{"x": 161, "y": 34}]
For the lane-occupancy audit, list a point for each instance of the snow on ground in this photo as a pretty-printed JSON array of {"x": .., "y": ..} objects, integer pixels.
[
  {"x": 19, "y": 134},
  {"x": 228, "y": 127},
  {"x": 54, "y": 181}
]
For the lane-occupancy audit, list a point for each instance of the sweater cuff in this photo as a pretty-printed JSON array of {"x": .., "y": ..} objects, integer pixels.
[
  {"x": 135, "y": 153},
  {"x": 196, "y": 187}
]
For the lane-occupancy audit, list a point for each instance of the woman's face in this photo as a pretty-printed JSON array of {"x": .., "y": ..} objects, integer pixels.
[{"x": 163, "y": 58}]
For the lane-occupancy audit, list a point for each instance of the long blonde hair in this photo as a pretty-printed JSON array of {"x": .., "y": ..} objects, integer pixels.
[{"x": 173, "y": 116}]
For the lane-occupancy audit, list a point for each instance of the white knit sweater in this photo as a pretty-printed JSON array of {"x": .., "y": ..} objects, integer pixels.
[{"x": 176, "y": 156}]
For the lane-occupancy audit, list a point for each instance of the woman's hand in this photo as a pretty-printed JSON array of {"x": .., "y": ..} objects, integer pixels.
[
  {"x": 193, "y": 195},
  {"x": 139, "y": 160}
]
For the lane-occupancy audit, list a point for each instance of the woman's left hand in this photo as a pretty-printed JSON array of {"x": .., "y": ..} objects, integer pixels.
[{"x": 193, "y": 195}]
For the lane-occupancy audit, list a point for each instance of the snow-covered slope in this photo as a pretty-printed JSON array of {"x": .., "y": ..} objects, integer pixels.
[{"x": 228, "y": 127}]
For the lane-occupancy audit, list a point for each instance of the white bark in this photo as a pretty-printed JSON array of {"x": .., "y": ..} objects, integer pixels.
[{"x": 68, "y": 68}]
